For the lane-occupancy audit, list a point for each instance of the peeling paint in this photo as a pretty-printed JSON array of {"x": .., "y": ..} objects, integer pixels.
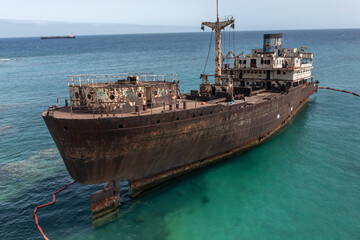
[{"x": 122, "y": 95}]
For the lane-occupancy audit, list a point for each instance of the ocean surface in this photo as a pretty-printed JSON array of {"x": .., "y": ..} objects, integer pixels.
[{"x": 302, "y": 184}]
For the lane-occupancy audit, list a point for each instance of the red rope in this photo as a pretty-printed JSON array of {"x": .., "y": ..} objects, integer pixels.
[
  {"x": 340, "y": 90},
  {"x": 47, "y": 204}
]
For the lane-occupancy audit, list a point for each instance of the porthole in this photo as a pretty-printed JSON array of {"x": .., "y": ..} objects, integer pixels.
[
  {"x": 121, "y": 126},
  {"x": 112, "y": 97},
  {"x": 66, "y": 128}
]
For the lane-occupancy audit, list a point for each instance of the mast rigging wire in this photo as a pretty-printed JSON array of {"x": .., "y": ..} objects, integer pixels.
[
  {"x": 229, "y": 39},
  {"x": 234, "y": 40},
  {"x": 223, "y": 41},
  {"x": 207, "y": 59}
]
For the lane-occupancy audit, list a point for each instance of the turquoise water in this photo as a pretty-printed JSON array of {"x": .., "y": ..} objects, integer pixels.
[{"x": 302, "y": 184}]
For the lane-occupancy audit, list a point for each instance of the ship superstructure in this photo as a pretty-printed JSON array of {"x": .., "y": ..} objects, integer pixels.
[
  {"x": 272, "y": 68},
  {"x": 140, "y": 128},
  {"x": 121, "y": 93}
]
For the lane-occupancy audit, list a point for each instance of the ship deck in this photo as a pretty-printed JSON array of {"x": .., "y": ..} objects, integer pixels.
[{"x": 67, "y": 113}]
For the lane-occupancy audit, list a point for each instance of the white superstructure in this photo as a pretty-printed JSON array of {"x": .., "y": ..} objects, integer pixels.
[{"x": 271, "y": 68}]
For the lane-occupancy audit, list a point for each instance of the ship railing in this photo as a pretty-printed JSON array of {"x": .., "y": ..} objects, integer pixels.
[
  {"x": 207, "y": 79},
  {"x": 92, "y": 79}
]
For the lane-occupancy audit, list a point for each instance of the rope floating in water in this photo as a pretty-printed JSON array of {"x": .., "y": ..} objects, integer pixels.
[
  {"x": 47, "y": 204},
  {"x": 334, "y": 89}
]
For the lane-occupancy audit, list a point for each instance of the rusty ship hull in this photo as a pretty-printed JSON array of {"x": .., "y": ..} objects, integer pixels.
[{"x": 148, "y": 149}]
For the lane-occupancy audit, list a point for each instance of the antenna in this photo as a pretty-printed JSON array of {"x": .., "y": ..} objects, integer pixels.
[{"x": 217, "y": 10}]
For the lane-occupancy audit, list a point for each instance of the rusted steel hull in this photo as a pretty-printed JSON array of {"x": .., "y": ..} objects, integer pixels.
[
  {"x": 105, "y": 201},
  {"x": 147, "y": 150}
]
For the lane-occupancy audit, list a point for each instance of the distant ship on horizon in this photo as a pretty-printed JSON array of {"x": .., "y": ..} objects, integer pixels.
[{"x": 59, "y": 37}]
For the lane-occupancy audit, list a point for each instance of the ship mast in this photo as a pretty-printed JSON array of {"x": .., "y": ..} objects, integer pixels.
[{"x": 218, "y": 26}]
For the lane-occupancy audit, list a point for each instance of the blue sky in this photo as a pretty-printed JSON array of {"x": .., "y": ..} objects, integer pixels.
[{"x": 250, "y": 15}]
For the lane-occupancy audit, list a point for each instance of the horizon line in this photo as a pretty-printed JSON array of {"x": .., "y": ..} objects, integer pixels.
[{"x": 159, "y": 33}]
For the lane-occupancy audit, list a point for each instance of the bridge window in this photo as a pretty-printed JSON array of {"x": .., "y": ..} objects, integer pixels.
[
  {"x": 305, "y": 60},
  {"x": 253, "y": 63}
]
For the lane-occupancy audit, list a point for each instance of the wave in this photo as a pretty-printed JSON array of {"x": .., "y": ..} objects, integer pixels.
[
  {"x": 13, "y": 105},
  {"x": 4, "y": 129},
  {"x": 6, "y": 59}
]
